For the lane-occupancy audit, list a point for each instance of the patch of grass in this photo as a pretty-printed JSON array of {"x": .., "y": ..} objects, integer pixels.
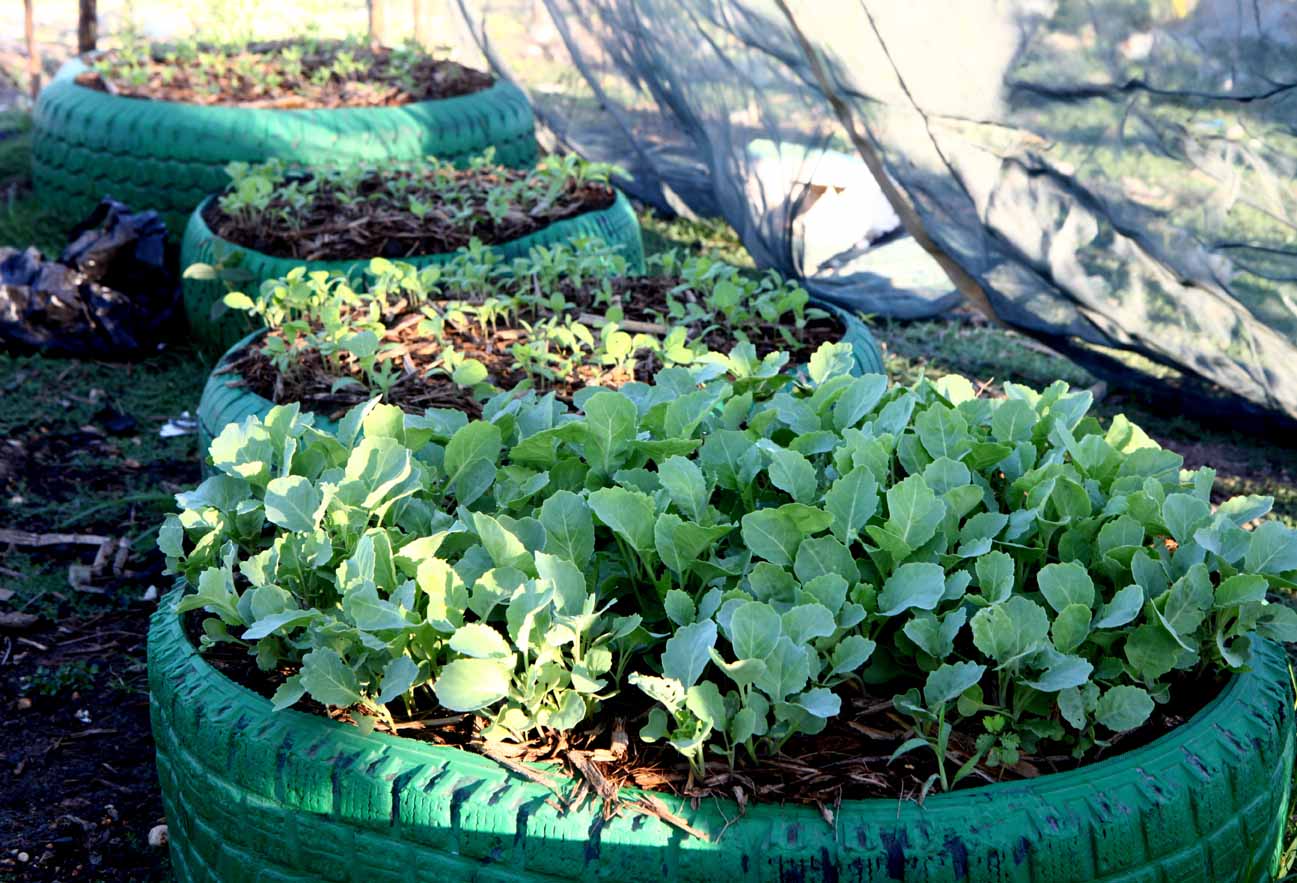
[
  {"x": 23, "y": 221},
  {"x": 63, "y": 468},
  {"x": 694, "y": 235}
]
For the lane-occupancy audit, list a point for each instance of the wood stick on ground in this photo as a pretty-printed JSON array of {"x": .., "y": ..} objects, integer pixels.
[
  {"x": 27, "y": 538},
  {"x": 33, "y": 55},
  {"x": 625, "y": 324}
]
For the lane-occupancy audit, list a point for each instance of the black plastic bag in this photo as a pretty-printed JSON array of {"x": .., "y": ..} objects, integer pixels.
[{"x": 109, "y": 296}]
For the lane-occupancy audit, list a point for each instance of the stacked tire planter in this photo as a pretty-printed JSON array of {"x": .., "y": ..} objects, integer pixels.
[
  {"x": 255, "y": 794},
  {"x": 168, "y": 155},
  {"x": 617, "y": 225},
  {"x": 222, "y": 404}
]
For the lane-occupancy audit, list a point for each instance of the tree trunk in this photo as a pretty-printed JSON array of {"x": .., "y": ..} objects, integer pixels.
[
  {"x": 33, "y": 56},
  {"x": 377, "y": 22},
  {"x": 88, "y": 26}
]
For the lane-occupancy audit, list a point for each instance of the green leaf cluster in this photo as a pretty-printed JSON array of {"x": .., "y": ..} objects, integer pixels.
[{"x": 749, "y": 549}]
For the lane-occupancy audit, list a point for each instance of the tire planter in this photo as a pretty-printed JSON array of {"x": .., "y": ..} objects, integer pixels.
[
  {"x": 254, "y": 794},
  {"x": 617, "y": 225},
  {"x": 167, "y": 155},
  {"x": 222, "y": 404}
]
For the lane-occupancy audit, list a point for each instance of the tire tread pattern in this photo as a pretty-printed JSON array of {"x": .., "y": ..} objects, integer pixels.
[
  {"x": 168, "y": 155},
  {"x": 616, "y": 225},
  {"x": 257, "y": 795}
]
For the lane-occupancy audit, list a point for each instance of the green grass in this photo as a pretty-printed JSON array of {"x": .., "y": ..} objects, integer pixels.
[{"x": 23, "y": 221}]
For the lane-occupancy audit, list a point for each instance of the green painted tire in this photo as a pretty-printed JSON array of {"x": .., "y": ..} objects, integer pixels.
[
  {"x": 254, "y": 794},
  {"x": 168, "y": 156},
  {"x": 616, "y": 225},
  {"x": 222, "y": 404}
]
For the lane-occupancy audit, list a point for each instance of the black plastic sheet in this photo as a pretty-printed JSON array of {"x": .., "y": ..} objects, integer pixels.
[{"x": 109, "y": 296}]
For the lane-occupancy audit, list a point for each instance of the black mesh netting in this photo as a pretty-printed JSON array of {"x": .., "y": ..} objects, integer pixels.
[{"x": 1112, "y": 173}]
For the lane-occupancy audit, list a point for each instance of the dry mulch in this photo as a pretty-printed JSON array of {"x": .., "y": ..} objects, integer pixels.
[
  {"x": 848, "y": 761},
  {"x": 643, "y": 300},
  {"x": 332, "y": 226},
  {"x": 374, "y": 84}
]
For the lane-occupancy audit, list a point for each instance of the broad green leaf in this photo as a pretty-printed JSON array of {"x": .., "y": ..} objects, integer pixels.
[
  {"x": 1183, "y": 514},
  {"x": 504, "y": 546},
  {"x": 1071, "y": 627},
  {"x": 1240, "y": 589},
  {"x": 1241, "y": 510},
  {"x": 684, "y": 481},
  {"x": 753, "y": 630},
  {"x": 806, "y": 622},
  {"x": 994, "y": 576},
  {"x": 949, "y": 680},
  {"x": 680, "y": 607},
  {"x": 1123, "y": 708},
  {"x": 731, "y": 458},
  {"x": 293, "y": 503},
  {"x": 818, "y": 556},
  {"x": 611, "y": 421},
  {"x": 943, "y": 432},
  {"x": 935, "y": 636},
  {"x": 222, "y": 492},
  {"x": 569, "y": 527},
  {"x": 371, "y": 613},
  {"x": 1013, "y": 421},
  {"x": 686, "y": 412},
  {"x": 279, "y": 623},
  {"x": 1151, "y": 651},
  {"x": 215, "y": 592},
  {"x": 852, "y": 500},
  {"x": 288, "y": 693},
  {"x": 688, "y": 651},
  {"x": 771, "y": 535},
  {"x": 858, "y": 399},
  {"x": 1186, "y": 605},
  {"x": 1009, "y": 630},
  {"x": 1064, "y": 584},
  {"x": 1124, "y": 607},
  {"x": 1065, "y": 673},
  {"x": 681, "y": 543},
  {"x": 829, "y": 589},
  {"x": 978, "y": 531},
  {"x": 398, "y": 677},
  {"x": 472, "y": 684},
  {"x": 808, "y": 519},
  {"x": 787, "y": 670},
  {"x": 831, "y": 360},
  {"x": 849, "y": 654},
  {"x": 914, "y": 512},
  {"x": 820, "y": 702},
  {"x": 470, "y": 460},
  {"x": 1273, "y": 549},
  {"x": 328, "y": 679},
  {"x": 912, "y": 585},
  {"x": 705, "y": 701},
  {"x": 480, "y": 641},
  {"x": 793, "y": 474},
  {"x": 568, "y": 580},
  {"x": 630, "y": 514}
]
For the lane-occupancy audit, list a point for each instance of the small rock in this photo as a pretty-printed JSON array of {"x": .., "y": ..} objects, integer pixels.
[
  {"x": 158, "y": 836},
  {"x": 23, "y": 857},
  {"x": 24, "y": 703},
  {"x": 150, "y": 594},
  {"x": 17, "y": 622},
  {"x": 82, "y": 715}
]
